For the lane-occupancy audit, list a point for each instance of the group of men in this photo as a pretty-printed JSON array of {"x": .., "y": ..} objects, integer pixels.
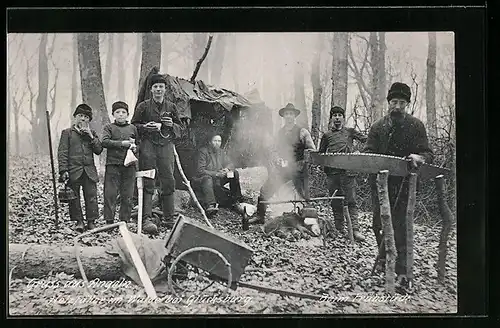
[{"x": 156, "y": 124}]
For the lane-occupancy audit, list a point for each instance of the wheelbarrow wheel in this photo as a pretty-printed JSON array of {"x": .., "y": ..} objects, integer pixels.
[{"x": 185, "y": 278}]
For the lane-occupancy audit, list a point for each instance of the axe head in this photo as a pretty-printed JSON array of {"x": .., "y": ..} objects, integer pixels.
[{"x": 146, "y": 174}]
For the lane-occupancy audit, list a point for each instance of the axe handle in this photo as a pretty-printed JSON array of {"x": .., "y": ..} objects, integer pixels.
[{"x": 140, "y": 194}]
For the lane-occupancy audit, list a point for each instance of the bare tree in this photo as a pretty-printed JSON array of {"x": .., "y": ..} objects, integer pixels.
[
  {"x": 32, "y": 118},
  {"x": 340, "y": 48},
  {"x": 136, "y": 62},
  {"x": 41, "y": 101},
  {"x": 376, "y": 81},
  {"x": 151, "y": 54},
  {"x": 317, "y": 91},
  {"x": 383, "y": 86},
  {"x": 165, "y": 51},
  {"x": 120, "y": 40},
  {"x": 217, "y": 59},
  {"x": 299, "y": 94},
  {"x": 430, "y": 92},
  {"x": 74, "y": 80},
  {"x": 234, "y": 48},
  {"x": 53, "y": 90},
  {"x": 199, "y": 44},
  {"x": 109, "y": 61},
  {"x": 91, "y": 79}
]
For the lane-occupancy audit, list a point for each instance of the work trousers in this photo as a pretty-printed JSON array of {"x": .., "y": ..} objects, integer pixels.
[
  {"x": 345, "y": 184},
  {"x": 277, "y": 177},
  {"x": 398, "y": 215},
  {"x": 89, "y": 195},
  {"x": 118, "y": 179},
  {"x": 212, "y": 190},
  {"x": 162, "y": 159}
]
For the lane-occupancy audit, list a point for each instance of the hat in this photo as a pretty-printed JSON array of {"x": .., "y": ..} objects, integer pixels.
[
  {"x": 289, "y": 106},
  {"x": 158, "y": 78},
  {"x": 117, "y": 105},
  {"x": 399, "y": 90},
  {"x": 337, "y": 109},
  {"x": 83, "y": 109}
]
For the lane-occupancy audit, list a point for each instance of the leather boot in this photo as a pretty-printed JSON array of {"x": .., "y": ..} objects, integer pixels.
[
  {"x": 353, "y": 213},
  {"x": 90, "y": 224},
  {"x": 167, "y": 205},
  {"x": 80, "y": 226},
  {"x": 261, "y": 213}
]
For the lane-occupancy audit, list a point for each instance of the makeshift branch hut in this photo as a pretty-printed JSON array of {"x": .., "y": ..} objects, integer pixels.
[{"x": 204, "y": 110}]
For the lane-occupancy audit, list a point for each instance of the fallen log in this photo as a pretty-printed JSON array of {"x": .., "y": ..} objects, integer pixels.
[{"x": 38, "y": 261}]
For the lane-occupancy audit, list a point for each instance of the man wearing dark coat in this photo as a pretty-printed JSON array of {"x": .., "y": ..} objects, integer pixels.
[
  {"x": 398, "y": 134},
  {"x": 75, "y": 155}
]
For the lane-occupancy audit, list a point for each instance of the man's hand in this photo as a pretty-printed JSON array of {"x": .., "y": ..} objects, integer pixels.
[
  {"x": 64, "y": 176},
  {"x": 416, "y": 160},
  {"x": 88, "y": 131},
  {"x": 126, "y": 143},
  {"x": 153, "y": 125},
  {"x": 167, "y": 121},
  {"x": 220, "y": 174}
]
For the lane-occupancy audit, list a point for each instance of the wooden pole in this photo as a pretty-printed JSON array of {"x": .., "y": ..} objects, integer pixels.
[
  {"x": 198, "y": 64},
  {"x": 307, "y": 158},
  {"x": 447, "y": 219},
  {"x": 190, "y": 189},
  {"x": 54, "y": 189},
  {"x": 412, "y": 194},
  {"x": 385, "y": 215},
  {"x": 347, "y": 216}
]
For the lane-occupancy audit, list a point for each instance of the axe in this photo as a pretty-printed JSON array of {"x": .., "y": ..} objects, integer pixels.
[{"x": 150, "y": 174}]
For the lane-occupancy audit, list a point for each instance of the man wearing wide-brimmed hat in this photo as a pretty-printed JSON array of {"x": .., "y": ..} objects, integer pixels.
[
  {"x": 398, "y": 134},
  {"x": 290, "y": 143}
]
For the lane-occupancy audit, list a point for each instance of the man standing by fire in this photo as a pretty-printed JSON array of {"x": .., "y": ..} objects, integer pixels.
[
  {"x": 158, "y": 124},
  {"x": 291, "y": 142},
  {"x": 403, "y": 135},
  {"x": 339, "y": 139}
]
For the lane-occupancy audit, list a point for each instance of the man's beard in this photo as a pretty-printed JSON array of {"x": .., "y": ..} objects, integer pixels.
[
  {"x": 397, "y": 115},
  {"x": 337, "y": 125}
]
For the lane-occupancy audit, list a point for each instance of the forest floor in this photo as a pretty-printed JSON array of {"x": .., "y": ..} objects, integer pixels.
[{"x": 340, "y": 270}]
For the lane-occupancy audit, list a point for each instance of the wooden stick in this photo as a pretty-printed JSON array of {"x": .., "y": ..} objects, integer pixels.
[
  {"x": 190, "y": 189},
  {"x": 349, "y": 223},
  {"x": 136, "y": 258},
  {"x": 307, "y": 158},
  {"x": 198, "y": 64},
  {"x": 412, "y": 194},
  {"x": 447, "y": 218},
  {"x": 385, "y": 215},
  {"x": 140, "y": 195}
]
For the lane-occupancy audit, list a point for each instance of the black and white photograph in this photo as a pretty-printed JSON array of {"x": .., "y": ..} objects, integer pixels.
[{"x": 231, "y": 173}]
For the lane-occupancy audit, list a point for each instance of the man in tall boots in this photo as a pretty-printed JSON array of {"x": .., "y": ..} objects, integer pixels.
[
  {"x": 291, "y": 142},
  {"x": 158, "y": 124},
  {"x": 398, "y": 134},
  {"x": 339, "y": 139}
]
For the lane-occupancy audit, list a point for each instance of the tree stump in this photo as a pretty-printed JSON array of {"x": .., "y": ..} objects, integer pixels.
[
  {"x": 447, "y": 219},
  {"x": 385, "y": 215},
  {"x": 410, "y": 209}
]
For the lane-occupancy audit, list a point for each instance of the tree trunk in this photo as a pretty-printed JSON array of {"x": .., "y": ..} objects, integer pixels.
[
  {"x": 430, "y": 92},
  {"x": 151, "y": 54},
  {"x": 199, "y": 45},
  {"x": 375, "y": 60},
  {"x": 165, "y": 51},
  {"x": 317, "y": 92},
  {"x": 74, "y": 81},
  {"x": 447, "y": 219},
  {"x": 109, "y": 63},
  {"x": 91, "y": 79},
  {"x": 234, "y": 46},
  {"x": 121, "y": 66},
  {"x": 41, "y": 100},
  {"x": 217, "y": 59},
  {"x": 37, "y": 261},
  {"x": 137, "y": 62},
  {"x": 385, "y": 215},
  {"x": 339, "y": 69},
  {"x": 383, "y": 78},
  {"x": 299, "y": 94}
]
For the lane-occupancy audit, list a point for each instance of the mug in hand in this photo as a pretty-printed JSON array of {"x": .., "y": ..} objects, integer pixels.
[{"x": 230, "y": 174}]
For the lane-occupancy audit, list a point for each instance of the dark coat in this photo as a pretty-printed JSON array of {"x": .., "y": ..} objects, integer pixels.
[
  {"x": 75, "y": 154},
  {"x": 148, "y": 111},
  {"x": 211, "y": 161},
  {"x": 402, "y": 140}
]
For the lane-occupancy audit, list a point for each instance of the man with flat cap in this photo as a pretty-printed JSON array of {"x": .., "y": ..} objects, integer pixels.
[
  {"x": 158, "y": 124},
  {"x": 397, "y": 134},
  {"x": 291, "y": 142}
]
